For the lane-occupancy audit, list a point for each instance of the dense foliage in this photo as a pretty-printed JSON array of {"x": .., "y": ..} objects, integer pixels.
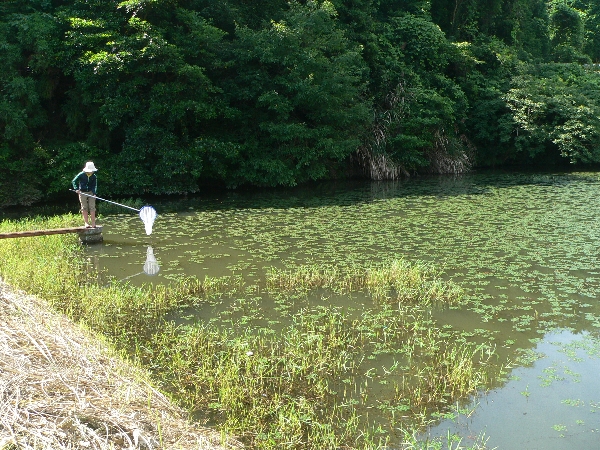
[{"x": 168, "y": 96}]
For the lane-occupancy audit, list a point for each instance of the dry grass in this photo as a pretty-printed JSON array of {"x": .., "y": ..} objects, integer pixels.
[{"x": 61, "y": 388}]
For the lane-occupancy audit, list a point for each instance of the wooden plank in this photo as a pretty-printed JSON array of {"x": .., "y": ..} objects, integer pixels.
[{"x": 18, "y": 234}]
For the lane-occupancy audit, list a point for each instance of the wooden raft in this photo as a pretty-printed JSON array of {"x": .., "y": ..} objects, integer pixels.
[{"x": 86, "y": 235}]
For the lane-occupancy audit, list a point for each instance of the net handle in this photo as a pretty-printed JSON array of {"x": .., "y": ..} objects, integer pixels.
[{"x": 103, "y": 199}]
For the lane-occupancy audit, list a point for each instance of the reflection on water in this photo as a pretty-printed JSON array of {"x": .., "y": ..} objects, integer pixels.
[
  {"x": 150, "y": 267},
  {"x": 524, "y": 247}
]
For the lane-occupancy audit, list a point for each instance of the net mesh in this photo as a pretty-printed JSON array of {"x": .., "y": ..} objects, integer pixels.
[{"x": 148, "y": 214}]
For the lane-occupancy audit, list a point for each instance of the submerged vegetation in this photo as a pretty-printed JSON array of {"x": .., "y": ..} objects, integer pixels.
[{"x": 314, "y": 375}]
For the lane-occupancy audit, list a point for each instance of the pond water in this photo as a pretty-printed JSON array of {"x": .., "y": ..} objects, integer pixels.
[{"x": 524, "y": 247}]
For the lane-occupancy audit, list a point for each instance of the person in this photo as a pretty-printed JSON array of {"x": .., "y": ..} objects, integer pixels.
[{"x": 85, "y": 184}]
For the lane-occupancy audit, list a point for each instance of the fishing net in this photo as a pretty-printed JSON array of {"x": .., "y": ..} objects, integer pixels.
[{"x": 148, "y": 214}]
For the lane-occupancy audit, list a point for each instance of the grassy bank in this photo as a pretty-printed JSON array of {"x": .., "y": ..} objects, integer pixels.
[{"x": 310, "y": 379}]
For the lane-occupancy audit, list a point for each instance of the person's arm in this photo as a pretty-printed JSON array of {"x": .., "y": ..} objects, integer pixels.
[{"x": 75, "y": 181}]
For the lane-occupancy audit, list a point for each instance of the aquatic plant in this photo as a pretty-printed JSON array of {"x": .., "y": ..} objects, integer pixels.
[
  {"x": 393, "y": 281},
  {"x": 305, "y": 380}
]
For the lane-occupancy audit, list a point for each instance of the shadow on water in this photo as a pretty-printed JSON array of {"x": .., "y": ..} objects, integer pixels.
[{"x": 348, "y": 192}]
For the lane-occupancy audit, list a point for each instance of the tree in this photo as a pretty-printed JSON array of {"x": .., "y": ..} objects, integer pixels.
[
  {"x": 298, "y": 90},
  {"x": 590, "y": 13},
  {"x": 485, "y": 81},
  {"x": 557, "y": 109},
  {"x": 141, "y": 92},
  {"x": 567, "y": 33},
  {"x": 29, "y": 79},
  {"x": 418, "y": 107}
]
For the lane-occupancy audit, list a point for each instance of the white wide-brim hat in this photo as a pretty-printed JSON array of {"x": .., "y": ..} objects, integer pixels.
[{"x": 89, "y": 167}]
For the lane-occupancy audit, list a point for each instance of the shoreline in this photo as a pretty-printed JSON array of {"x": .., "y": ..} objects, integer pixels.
[{"x": 63, "y": 388}]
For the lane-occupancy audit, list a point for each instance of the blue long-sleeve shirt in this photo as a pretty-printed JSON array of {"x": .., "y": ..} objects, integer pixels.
[{"x": 85, "y": 183}]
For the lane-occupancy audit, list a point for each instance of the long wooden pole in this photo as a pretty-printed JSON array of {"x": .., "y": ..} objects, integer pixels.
[{"x": 18, "y": 234}]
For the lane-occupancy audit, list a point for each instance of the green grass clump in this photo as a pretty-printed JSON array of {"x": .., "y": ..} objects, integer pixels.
[
  {"x": 308, "y": 381},
  {"x": 396, "y": 280}
]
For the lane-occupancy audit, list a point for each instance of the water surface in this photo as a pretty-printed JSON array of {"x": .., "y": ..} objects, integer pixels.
[{"x": 523, "y": 246}]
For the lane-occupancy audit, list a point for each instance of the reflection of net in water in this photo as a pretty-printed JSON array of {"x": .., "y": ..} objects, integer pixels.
[
  {"x": 148, "y": 214},
  {"x": 151, "y": 267}
]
